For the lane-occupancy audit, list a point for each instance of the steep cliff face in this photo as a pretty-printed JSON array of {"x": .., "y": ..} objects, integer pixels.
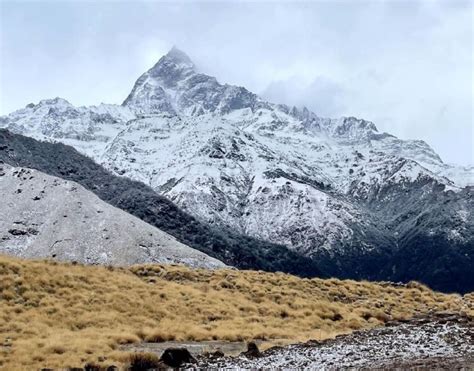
[{"x": 332, "y": 189}]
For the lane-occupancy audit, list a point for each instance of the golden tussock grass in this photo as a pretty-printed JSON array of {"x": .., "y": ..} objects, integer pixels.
[{"x": 66, "y": 315}]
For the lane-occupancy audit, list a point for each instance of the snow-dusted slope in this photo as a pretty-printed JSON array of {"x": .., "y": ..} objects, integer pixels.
[
  {"x": 443, "y": 343},
  {"x": 87, "y": 128},
  {"x": 317, "y": 185},
  {"x": 45, "y": 216},
  {"x": 225, "y": 174}
]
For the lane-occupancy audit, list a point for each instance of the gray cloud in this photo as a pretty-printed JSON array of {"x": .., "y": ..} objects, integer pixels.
[
  {"x": 322, "y": 95},
  {"x": 407, "y": 66}
]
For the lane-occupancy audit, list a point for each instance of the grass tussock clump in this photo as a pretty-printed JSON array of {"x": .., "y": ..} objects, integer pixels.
[
  {"x": 64, "y": 315},
  {"x": 143, "y": 361}
]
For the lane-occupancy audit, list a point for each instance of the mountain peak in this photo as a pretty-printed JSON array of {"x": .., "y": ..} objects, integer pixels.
[
  {"x": 172, "y": 67},
  {"x": 148, "y": 93},
  {"x": 179, "y": 57}
]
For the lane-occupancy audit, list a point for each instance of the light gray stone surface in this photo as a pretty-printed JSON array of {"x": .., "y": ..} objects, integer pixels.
[{"x": 45, "y": 216}]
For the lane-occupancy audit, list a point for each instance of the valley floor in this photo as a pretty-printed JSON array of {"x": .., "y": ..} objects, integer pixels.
[{"x": 63, "y": 315}]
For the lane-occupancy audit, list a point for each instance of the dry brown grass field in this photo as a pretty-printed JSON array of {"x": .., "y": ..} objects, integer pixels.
[{"x": 66, "y": 315}]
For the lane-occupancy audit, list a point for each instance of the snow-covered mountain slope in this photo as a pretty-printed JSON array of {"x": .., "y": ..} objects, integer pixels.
[
  {"x": 48, "y": 217},
  {"x": 87, "y": 128},
  {"x": 227, "y": 176},
  {"x": 320, "y": 186},
  {"x": 140, "y": 200}
]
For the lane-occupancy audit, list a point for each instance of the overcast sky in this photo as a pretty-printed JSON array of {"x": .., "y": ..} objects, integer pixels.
[{"x": 405, "y": 65}]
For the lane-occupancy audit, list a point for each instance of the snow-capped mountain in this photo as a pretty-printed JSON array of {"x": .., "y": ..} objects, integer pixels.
[{"x": 323, "y": 187}]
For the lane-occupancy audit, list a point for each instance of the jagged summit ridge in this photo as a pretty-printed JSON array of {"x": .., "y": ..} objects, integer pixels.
[{"x": 173, "y": 86}]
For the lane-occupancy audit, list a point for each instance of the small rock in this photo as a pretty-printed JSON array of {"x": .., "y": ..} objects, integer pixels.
[
  {"x": 176, "y": 357},
  {"x": 252, "y": 351},
  {"x": 17, "y": 232},
  {"x": 32, "y": 231},
  {"x": 217, "y": 354},
  {"x": 7, "y": 342}
]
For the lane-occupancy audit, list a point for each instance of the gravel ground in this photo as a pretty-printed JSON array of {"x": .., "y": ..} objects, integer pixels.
[{"x": 434, "y": 342}]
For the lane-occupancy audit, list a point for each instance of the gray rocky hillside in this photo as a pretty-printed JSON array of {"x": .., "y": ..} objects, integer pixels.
[{"x": 47, "y": 217}]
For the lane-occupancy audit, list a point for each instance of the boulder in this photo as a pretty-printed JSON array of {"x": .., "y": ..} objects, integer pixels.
[{"x": 177, "y": 357}]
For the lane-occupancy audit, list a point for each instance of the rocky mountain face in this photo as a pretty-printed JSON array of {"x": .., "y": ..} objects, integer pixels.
[
  {"x": 49, "y": 217},
  {"x": 364, "y": 204}
]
